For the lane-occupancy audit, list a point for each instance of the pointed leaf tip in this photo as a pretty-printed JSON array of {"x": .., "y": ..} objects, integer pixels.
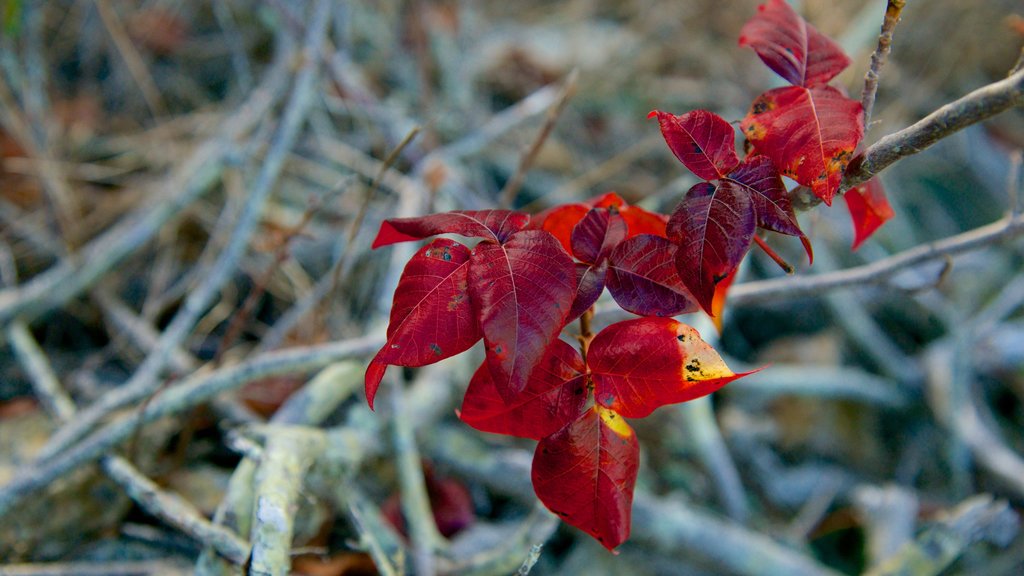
[
  {"x": 643, "y": 364},
  {"x": 703, "y": 141}
]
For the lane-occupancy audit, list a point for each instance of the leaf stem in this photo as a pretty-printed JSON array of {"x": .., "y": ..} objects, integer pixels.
[
  {"x": 585, "y": 335},
  {"x": 786, "y": 266}
]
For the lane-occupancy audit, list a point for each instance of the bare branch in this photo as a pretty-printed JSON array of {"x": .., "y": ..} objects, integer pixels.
[
  {"x": 508, "y": 193},
  {"x": 892, "y": 17},
  {"x": 801, "y": 286},
  {"x": 979, "y": 105}
]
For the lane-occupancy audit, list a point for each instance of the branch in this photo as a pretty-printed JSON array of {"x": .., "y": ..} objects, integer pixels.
[
  {"x": 191, "y": 392},
  {"x": 892, "y": 17},
  {"x": 146, "y": 378},
  {"x": 979, "y": 105},
  {"x": 801, "y": 286}
]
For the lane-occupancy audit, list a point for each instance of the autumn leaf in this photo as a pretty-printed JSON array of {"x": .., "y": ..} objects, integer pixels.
[
  {"x": 521, "y": 293},
  {"x": 791, "y": 47},
  {"x": 596, "y": 234},
  {"x": 809, "y": 134},
  {"x": 642, "y": 278},
  {"x": 869, "y": 209},
  {"x": 643, "y": 364},
  {"x": 703, "y": 141},
  {"x": 561, "y": 220},
  {"x": 431, "y": 316},
  {"x": 495, "y": 225},
  {"x": 554, "y": 396},
  {"x": 590, "y": 281},
  {"x": 585, "y": 473},
  {"x": 713, "y": 227}
]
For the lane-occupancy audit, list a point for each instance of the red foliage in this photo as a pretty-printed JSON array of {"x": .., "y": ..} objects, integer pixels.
[
  {"x": 585, "y": 474},
  {"x": 869, "y": 209},
  {"x": 527, "y": 278}
]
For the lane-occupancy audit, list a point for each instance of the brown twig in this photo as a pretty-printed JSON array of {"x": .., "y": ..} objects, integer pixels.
[
  {"x": 867, "y": 98},
  {"x": 508, "y": 194},
  {"x": 786, "y": 266}
]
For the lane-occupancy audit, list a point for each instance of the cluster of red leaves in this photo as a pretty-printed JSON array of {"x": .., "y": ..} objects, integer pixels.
[
  {"x": 526, "y": 279},
  {"x": 517, "y": 289}
]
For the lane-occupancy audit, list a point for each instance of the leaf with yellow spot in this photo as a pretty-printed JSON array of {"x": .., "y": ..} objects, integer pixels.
[
  {"x": 585, "y": 474},
  {"x": 640, "y": 365}
]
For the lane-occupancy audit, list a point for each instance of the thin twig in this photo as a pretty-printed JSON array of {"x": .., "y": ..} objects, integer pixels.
[
  {"x": 892, "y": 17},
  {"x": 195, "y": 175},
  {"x": 166, "y": 506},
  {"x": 190, "y": 392},
  {"x": 132, "y": 59},
  {"x": 979, "y": 105},
  {"x": 803, "y": 286},
  {"x": 146, "y": 380},
  {"x": 507, "y": 195}
]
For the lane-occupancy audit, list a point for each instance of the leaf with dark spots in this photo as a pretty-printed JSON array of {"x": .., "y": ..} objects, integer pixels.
[
  {"x": 643, "y": 280},
  {"x": 809, "y": 134},
  {"x": 555, "y": 395},
  {"x": 431, "y": 317},
  {"x": 521, "y": 293},
  {"x": 869, "y": 209},
  {"x": 585, "y": 473},
  {"x": 594, "y": 237},
  {"x": 494, "y": 225},
  {"x": 643, "y": 364},
  {"x": 791, "y": 47},
  {"x": 713, "y": 228},
  {"x": 703, "y": 141},
  {"x": 590, "y": 279}
]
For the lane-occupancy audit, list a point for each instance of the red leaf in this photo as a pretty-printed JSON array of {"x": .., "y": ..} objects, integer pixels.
[
  {"x": 594, "y": 237},
  {"x": 703, "y": 141},
  {"x": 431, "y": 317},
  {"x": 640, "y": 221},
  {"x": 585, "y": 474},
  {"x": 643, "y": 280},
  {"x": 772, "y": 206},
  {"x": 496, "y": 225},
  {"x": 713, "y": 227},
  {"x": 759, "y": 177},
  {"x": 554, "y": 396},
  {"x": 810, "y": 134},
  {"x": 560, "y": 221},
  {"x": 590, "y": 279},
  {"x": 791, "y": 47},
  {"x": 450, "y": 501},
  {"x": 640, "y": 365},
  {"x": 869, "y": 209},
  {"x": 522, "y": 292}
]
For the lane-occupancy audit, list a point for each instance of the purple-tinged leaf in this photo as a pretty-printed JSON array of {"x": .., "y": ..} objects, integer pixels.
[
  {"x": 643, "y": 280},
  {"x": 703, "y": 141},
  {"x": 713, "y": 228},
  {"x": 594, "y": 237},
  {"x": 590, "y": 279},
  {"x": 521, "y": 291}
]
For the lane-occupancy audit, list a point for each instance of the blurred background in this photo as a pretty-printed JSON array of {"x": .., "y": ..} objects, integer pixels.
[{"x": 183, "y": 188}]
